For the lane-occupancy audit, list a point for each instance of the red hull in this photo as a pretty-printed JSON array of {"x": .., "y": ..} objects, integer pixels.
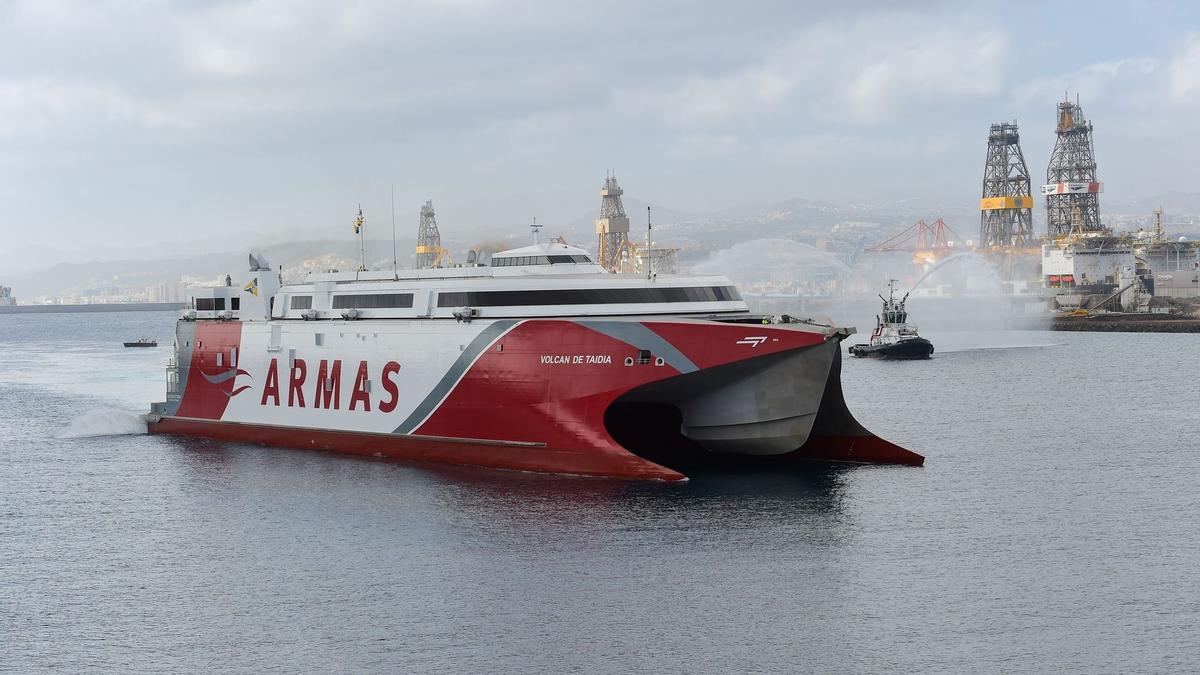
[
  {"x": 519, "y": 456},
  {"x": 511, "y": 408},
  {"x": 859, "y": 449},
  {"x": 494, "y": 454}
]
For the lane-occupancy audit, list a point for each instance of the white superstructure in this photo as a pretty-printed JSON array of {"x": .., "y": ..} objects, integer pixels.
[
  {"x": 1085, "y": 261},
  {"x": 542, "y": 280}
]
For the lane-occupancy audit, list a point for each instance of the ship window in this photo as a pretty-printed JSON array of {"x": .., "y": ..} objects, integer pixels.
[
  {"x": 220, "y": 304},
  {"x": 555, "y": 259},
  {"x": 373, "y": 301},
  {"x": 235, "y": 303},
  {"x": 587, "y": 296},
  {"x": 301, "y": 302},
  {"x": 205, "y": 304},
  {"x": 537, "y": 260}
]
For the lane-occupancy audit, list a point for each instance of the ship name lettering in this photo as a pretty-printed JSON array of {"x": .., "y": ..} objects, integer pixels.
[
  {"x": 326, "y": 388},
  {"x": 576, "y": 359}
]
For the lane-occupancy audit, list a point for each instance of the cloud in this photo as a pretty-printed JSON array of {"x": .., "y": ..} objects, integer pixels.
[
  {"x": 1183, "y": 71},
  {"x": 862, "y": 71},
  {"x": 225, "y": 114},
  {"x": 37, "y": 108},
  {"x": 1093, "y": 81}
]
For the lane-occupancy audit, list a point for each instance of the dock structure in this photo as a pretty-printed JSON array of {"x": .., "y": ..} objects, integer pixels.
[
  {"x": 1006, "y": 206},
  {"x": 1072, "y": 191},
  {"x": 429, "y": 241},
  {"x": 612, "y": 227}
]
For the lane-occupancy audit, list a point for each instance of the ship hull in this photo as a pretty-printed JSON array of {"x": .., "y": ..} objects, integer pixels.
[
  {"x": 532, "y": 395},
  {"x": 536, "y": 457},
  {"x": 905, "y": 350}
]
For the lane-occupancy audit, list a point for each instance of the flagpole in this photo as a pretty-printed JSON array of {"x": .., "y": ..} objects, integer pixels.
[
  {"x": 362, "y": 259},
  {"x": 649, "y": 274},
  {"x": 395, "y": 273}
]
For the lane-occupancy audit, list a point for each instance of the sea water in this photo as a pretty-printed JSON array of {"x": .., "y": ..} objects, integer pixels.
[{"x": 1055, "y": 527}]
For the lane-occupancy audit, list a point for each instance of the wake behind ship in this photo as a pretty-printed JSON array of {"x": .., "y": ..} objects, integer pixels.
[{"x": 541, "y": 360}]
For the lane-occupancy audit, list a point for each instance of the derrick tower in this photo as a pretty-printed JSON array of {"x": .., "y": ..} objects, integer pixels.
[
  {"x": 1072, "y": 191},
  {"x": 1006, "y": 209},
  {"x": 429, "y": 241},
  {"x": 612, "y": 227}
]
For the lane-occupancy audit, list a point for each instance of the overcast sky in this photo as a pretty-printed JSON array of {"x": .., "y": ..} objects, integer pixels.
[{"x": 145, "y": 121}]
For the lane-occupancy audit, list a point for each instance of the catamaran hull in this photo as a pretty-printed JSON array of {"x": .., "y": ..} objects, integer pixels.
[{"x": 565, "y": 396}]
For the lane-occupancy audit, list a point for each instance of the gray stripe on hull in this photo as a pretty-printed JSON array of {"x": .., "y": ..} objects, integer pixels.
[
  {"x": 185, "y": 339},
  {"x": 637, "y": 335},
  {"x": 452, "y": 376}
]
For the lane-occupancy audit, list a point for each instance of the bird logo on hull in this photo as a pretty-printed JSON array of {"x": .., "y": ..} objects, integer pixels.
[
  {"x": 227, "y": 375},
  {"x": 753, "y": 340}
]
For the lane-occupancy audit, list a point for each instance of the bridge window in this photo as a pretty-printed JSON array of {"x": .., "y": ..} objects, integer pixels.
[
  {"x": 588, "y": 296},
  {"x": 301, "y": 302}
]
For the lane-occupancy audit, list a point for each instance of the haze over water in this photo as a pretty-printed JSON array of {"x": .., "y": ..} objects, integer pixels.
[{"x": 1052, "y": 529}]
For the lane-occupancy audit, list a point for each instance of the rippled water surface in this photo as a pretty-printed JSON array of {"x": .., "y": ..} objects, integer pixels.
[{"x": 1055, "y": 527}]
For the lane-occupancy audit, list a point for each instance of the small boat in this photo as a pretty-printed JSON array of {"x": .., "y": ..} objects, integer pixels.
[
  {"x": 143, "y": 342},
  {"x": 894, "y": 337}
]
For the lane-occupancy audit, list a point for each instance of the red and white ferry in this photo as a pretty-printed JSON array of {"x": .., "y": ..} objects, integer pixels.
[{"x": 540, "y": 360}]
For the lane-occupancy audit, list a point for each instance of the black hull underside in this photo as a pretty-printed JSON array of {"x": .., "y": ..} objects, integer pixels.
[{"x": 916, "y": 348}]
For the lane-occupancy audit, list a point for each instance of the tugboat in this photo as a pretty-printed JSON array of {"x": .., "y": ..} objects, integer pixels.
[
  {"x": 894, "y": 338},
  {"x": 143, "y": 342}
]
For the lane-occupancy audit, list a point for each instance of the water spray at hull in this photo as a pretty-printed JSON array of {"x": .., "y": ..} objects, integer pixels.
[{"x": 104, "y": 422}]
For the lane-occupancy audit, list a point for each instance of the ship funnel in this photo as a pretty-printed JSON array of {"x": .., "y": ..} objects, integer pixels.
[
  {"x": 259, "y": 293},
  {"x": 259, "y": 263}
]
